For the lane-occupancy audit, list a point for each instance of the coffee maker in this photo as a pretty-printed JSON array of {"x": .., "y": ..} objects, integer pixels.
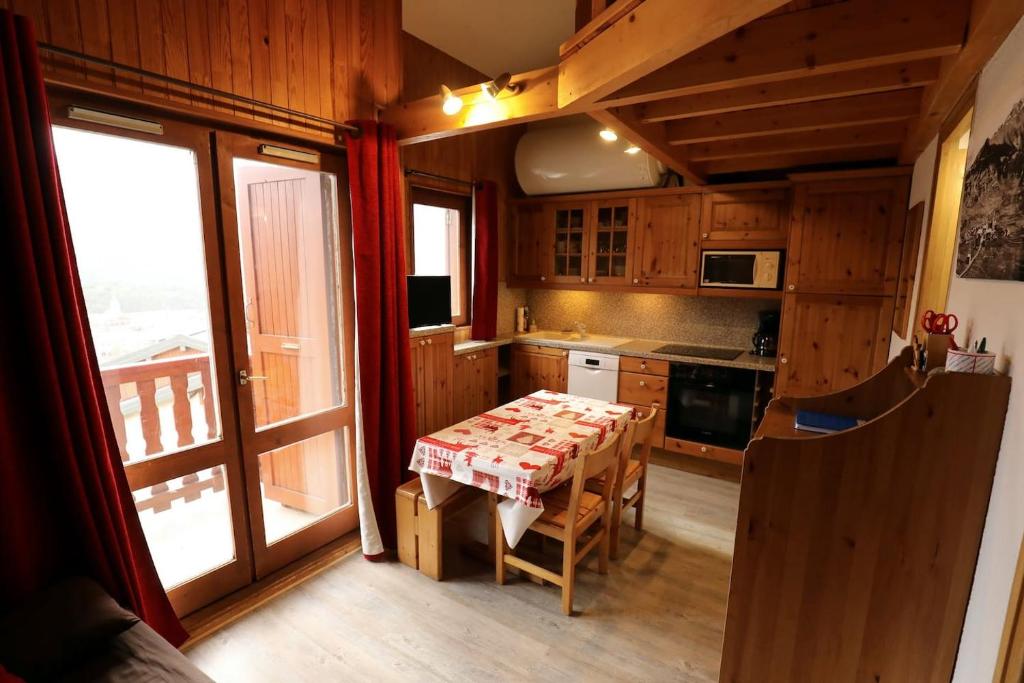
[{"x": 766, "y": 339}]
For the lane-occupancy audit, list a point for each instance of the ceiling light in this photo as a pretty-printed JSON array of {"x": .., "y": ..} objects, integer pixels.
[
  {"x": 451, "y": 103},
  {"x": 608, "y": 134},
  {"x": 503, "y": 82},
  {"x": 632, "y": 149}
]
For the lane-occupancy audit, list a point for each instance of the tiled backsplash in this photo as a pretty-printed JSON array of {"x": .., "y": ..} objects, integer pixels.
[
  {"x": 508, "y": 299},
  {"x": 684, "y": 319}
]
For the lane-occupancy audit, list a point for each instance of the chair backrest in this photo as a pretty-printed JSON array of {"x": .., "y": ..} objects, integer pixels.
[
  {"x": 602, "y": 459},
  {"x": 645, "y": 434}
]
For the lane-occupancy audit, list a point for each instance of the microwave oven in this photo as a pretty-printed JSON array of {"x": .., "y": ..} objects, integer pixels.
[{"x": 746, "y": 269}]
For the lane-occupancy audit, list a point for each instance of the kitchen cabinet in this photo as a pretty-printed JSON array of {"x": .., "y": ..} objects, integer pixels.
[
  {"x": 611, "y": 242},
  {"x": 475, "y": 383},
  {"x": 530, "y": 251},
  {"x": 642, "y": 383},
  {"x": 745, "y": 219},
  {"x": 570, "y": 224},
  {"x": 433, "y": 368},
  {"x": 667, "y": 241},
  {"x": 830, "y": 342},
  {"x": 538, "y": 367},
  {"x": 847, "y": 235}
]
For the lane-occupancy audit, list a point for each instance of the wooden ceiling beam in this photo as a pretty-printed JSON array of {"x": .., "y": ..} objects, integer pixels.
[
  {"x": 856, "y": 34},
  {"x": 797, "y": 159},
  {"x": 651, "y": 35},
  {"x": 792, "y": 118},
  {"x": 650, "y": 138},
  {"x": 870, "y": 135},
  {"x": 990, "y": 22},
  {"x": 874, "y": 79}
]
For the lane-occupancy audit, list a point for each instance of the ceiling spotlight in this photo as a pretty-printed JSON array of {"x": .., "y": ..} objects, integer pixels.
[
  {"x": 632, "y": 149},
  {"x": 608, "y": 134},
  {"x": 451, "y": 103},
  {"x": 503, "y": 82}
]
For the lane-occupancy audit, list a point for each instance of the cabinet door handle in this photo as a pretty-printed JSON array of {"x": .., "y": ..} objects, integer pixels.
[
  {"x": 430, "y": 341},
  {"x": 422, "y": 343},
  {"x": 591, "y": 279},
  {"x": 636, "y": 281},
  {"x": 564, "y": 354},
  {"x": 783, "y": 360},
  {"x": 791, "y": 287},
  {"x": 703, "y": 449},
  {"x": 643, "y": 365},
  {"x": 542, "y": 278},
  {"x": 582, "y": 279},
  {"x": 643, "y": 383},
  {"x": 705, "y": 235}
]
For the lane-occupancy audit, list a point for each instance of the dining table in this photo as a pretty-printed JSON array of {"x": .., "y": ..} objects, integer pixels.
[{"x": 518, "y": 451}]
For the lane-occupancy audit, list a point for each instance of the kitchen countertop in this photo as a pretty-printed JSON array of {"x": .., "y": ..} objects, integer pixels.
[
  {"x": 472, "y": 345},
  {"x": 429, "y": 330},
  {"x": 640, "y": 348}
]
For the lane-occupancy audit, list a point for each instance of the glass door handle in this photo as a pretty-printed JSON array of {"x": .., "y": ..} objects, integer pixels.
[{"x": 244, "y": 377}]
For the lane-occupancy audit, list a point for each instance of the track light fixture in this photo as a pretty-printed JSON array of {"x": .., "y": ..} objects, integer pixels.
[
  {"x": 451, "y": 103},
  {"x": 503, "y": 82}
]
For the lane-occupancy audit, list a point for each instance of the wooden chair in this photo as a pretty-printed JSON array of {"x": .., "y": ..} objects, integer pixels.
[
  {"x": 630, "y": 472},
  {"x": 569, "y": 511}
]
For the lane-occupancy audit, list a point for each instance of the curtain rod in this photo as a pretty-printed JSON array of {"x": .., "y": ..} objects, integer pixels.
[
  {"x": 99, "y": 61},
  {"x": 435, "y": 176}
]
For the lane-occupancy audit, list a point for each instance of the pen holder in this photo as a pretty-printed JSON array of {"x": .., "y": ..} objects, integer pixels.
[
  {"x": 937, "y": 348},
  {"x": 970, "y": 361}
]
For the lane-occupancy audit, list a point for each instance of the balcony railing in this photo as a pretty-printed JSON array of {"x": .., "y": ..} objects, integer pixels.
[{"x": 135, "y": 395}]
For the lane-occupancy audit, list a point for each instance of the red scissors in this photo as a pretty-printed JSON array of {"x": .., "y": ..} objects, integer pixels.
[{"x": 939, "y": 323}]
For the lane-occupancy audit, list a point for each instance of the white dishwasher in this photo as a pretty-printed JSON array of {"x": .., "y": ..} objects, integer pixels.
[{"x": 594, "y": 375}]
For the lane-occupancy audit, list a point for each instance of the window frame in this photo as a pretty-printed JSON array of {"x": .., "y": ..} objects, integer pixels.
[{"x": 463, "y": 203}]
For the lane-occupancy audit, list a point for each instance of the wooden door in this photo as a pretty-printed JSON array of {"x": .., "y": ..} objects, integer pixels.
[
  {"x": 535, "y": 368},
  {"x": 288, "y": 336},
  {"x": 570, "y": 231},
  {"x": 667, "y": 242},
  {"x": 738, "y": 219},
  {"x": 531, "y": 255},
  {"x": 288, "y": 251},
  {"x": 433, "y": 367},
  {"x": 831, "y": 342},
  {"x": 847, "y": 236},
  {"x": 612, "y": 232}
]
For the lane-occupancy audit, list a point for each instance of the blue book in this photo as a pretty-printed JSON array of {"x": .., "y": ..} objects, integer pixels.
[{"x": 823, "y": 423}]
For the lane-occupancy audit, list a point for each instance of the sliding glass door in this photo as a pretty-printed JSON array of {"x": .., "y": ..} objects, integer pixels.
[
  {"x": 289, "y": 261},
  {"x": 225, "y": 342}
]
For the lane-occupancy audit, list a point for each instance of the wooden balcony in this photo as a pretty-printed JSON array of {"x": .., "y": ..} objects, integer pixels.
[{"x": 158, "y": 407}]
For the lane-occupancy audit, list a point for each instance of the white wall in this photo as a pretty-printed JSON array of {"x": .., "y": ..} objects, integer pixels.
[
  {"x": 995, "y": 309},
  {"x": 992, "y": 309}
]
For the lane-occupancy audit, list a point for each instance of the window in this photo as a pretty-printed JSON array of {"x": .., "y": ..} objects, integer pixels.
[{"x": 440, "y": 243}]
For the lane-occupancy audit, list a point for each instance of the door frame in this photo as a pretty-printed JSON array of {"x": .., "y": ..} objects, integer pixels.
[
  {"x": 220, "y": 581},
  {"x": 267, "y": 558}
]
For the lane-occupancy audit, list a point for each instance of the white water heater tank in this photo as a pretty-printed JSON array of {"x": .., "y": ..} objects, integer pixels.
[{"x": 574, "y": 158}]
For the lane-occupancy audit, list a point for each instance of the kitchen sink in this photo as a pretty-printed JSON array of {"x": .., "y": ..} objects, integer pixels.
[{"x": 572, "y": 338}]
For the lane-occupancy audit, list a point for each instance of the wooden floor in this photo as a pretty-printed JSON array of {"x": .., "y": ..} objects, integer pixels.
[{"x": 657, "y": 616}]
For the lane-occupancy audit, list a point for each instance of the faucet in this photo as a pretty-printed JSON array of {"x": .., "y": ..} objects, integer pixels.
[{"x": 580, "y": 328}]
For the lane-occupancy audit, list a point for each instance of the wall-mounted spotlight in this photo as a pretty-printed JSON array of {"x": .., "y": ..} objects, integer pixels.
[
  {"x": 451, "y": 103},
  {"x": 632, "y": 149},
  {"x": 503, "y": 82},
  {"x": 608, "y": 135}
]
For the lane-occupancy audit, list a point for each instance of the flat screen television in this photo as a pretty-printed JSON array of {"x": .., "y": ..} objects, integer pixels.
[{"x": 430, "y": 300}]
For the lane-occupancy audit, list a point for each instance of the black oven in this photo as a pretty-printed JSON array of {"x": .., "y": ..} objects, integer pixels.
[{"x": 710, "y": 404}]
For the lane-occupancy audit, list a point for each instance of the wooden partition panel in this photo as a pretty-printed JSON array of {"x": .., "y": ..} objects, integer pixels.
[{"x": 855, "y": 552}]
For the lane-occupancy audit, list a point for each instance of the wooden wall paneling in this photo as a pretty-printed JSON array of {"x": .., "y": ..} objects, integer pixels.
[
  {"x": 175, "y": 37},
  {"x": 294, "y": 55},
  {"x": 278, "y": 55},
  {"x": 200, "y": 69},
  {"x": 241, "y": 52},
  {"x": 259, "y": 54},
  {"x": 324, "y": 67},
  {"x": 151, "y": 43},
  {"x": 218, "y": 35},
  {"x": 92, "y": 16},
  {"x": 310, "y": 57},
  {"x": 908, "y": 269},
  {"x": 61, "y": 17},
  {"x": 124, "y": 40}
]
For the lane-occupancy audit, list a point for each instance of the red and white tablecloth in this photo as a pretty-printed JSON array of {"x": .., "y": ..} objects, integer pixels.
[{"x": 518, "y": 450}]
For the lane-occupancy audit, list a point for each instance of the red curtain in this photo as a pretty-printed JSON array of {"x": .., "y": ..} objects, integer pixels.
[
  {"x": 66, "y": 506},
  {"x": 382, "y": 316},
  {"x": 485, "y": 268}
]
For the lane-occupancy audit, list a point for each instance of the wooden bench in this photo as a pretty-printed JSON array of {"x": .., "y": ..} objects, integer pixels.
[{"x": 421, "y": 531}]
